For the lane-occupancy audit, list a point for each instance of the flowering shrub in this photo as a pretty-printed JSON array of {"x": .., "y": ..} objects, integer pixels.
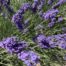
[{"x": 34, "y": 32}]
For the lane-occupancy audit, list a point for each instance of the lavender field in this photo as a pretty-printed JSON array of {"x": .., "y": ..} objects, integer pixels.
[{"x": 32, "y": 32}]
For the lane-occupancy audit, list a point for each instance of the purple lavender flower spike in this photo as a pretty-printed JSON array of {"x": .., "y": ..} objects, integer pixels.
[
  {"x": 50, "y": 14},
  {"x": 25, "y": 7},
  {"x": 30, "y": 58},
  {"x": 17, "y": 19},
  {"x": 34, "y": 5},
  {"x": 42, "y": 41},
  {"x": 57, "y": 41},
  {"x": 60, "y": 2},
  {"x": 14, "y": 45}
]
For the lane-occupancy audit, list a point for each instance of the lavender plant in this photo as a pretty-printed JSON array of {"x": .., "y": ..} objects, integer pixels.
[{"x": 31, "y": 19}]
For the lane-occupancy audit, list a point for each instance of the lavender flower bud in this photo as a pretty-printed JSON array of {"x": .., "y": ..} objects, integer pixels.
[
  {"x": 50, "y": 14},
  {"x": 17, "y": 19},
  {"x": 30, "y": 58},
  {"x": 25, "y": 6},
  {"x": 42, "y": 41}
]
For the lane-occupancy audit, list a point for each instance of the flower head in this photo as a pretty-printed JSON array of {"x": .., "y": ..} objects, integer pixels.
[
  {"x": 14, "y": 45},
  {"x": 42, "y": 41},
  {"x": 30, "y": 58}
]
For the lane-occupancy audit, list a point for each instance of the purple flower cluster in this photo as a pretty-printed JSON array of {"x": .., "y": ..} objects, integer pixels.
[
  {"x": 42, "y": 41},
  {"x": 57, "y": 41},
  {"x": 30, "y": 58},
  {"x": 52, "y": 13},
  {"x": 51, "y": 16},
  {"x": 18, "y": 16},
  {"x": 13, "y": 45},
  {"x": 37, "y": 5},
  {"x": 17, "y": 19},
  {"x": 51, "y": 41}
]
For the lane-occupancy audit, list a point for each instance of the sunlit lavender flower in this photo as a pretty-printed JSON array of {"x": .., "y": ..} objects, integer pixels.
[
  {"x": 42, "y": 41},
  {"x": 57, "y": 41},
  {"x": 17, "y": 19},
  {"x": 50, "y": 14},
  {"x": 25, "y": 7},
  {"x": 14, "y": 45},
  {"x": 30, "y": 58}
]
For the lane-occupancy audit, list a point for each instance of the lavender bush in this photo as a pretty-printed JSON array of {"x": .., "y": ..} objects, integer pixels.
[{"x": 32, "y": 32}]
